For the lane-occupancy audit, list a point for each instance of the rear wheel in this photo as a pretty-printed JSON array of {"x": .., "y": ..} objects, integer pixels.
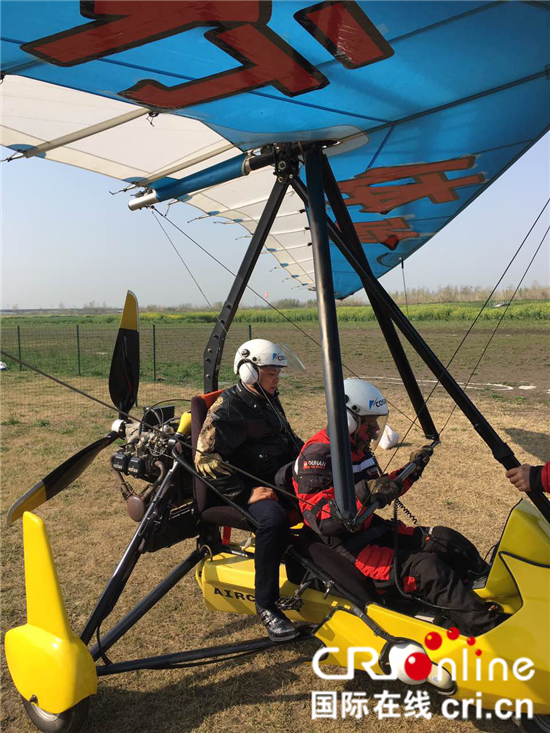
[
  {"x": 536, "y": 724},
  {"x": 69, "y": 721}
]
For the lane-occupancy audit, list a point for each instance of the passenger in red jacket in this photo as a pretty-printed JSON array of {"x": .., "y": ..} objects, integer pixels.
[
  {"x": 434, "y": 563},
  {"x": 530, "y": 478}
]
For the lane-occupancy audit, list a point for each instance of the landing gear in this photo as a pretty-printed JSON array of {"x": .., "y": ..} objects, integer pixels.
[
  {"x": 68, "y": 721},
  {"x": 536, "y": 724}
]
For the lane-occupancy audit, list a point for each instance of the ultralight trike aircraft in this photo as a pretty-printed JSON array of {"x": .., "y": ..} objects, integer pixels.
[{"x": 387, "y": 108}]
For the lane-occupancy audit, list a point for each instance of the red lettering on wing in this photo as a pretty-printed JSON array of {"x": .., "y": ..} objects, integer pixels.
[
  {"x": 346, "y": 32},
  {"x": 388, "y": 232},
  {"x": 240, "y": 29},
  {"x": 120, "y": 25},
  {"x": 429, "y": 181},
  {"x": 266, "y": 60}
]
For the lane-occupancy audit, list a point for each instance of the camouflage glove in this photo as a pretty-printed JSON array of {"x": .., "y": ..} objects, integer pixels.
[
  {"x": 384, "y": 491},
  {"x": 210, "y": 465},
  {"x": 423, "y": 455}
]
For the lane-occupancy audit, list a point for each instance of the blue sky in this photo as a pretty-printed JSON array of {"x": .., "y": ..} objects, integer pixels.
[{"x": 66, "y": 239}]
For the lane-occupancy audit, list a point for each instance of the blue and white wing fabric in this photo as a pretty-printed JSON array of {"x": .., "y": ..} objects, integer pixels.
[{"x": 431, "y": 101}]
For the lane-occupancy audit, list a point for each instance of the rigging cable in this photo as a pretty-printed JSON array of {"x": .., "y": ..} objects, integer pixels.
[
  {"x": 273, "y": 307},
  {"x": 285, "y": 426},
  {"x": 498, "y": 324},
  {"x": 397, "y": 503},
  {"x": 218, "y": 319},
  {"x": 140, "y": 421},
  {"x": 474, "y": 322},
  {"x": 404, "y": 285},
  {"x": 110, "y": 407},
  {"x": 184, "y": 263}
]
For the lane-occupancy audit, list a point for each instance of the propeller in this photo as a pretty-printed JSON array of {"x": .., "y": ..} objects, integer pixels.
[
  {"x": 123, "y": 388},
  {"x": 124, "y": 375},
  {"x": 59, "y": 478}
]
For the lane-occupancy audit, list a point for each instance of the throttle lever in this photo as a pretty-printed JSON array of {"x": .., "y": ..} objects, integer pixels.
[
  {"x": 413, "y": 465},
  {"x": 365, "y": 512}
]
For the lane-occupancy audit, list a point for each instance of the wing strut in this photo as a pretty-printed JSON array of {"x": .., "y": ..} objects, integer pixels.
[
  {"x": 376, "y": 292},
  {"x": 386, "y": 325},
  {"x": 214, "y": 348},
  {"x": 81, "y": 134},
  {"x": 321, "y": 181},
  {"x": 340, "y": 452}
]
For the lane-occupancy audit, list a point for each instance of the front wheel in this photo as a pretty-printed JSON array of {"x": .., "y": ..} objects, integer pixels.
[
  {"x": 536, "y": 724},
  {"x": 69, "y": 721}
]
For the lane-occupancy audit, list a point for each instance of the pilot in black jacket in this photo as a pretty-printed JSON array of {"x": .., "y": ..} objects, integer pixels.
[{"x": 247, "y": 427}]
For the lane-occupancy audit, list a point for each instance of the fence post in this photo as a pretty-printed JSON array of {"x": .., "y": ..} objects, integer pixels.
[
  {"x": 78, "y": 348},
  {"x": 250, "y": 332},
  {"x": 19, "y": 347},
  {"x": 154, "y": 353}
]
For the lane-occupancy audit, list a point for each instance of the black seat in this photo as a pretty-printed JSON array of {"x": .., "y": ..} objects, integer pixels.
[{"x": 210, "y": 508}]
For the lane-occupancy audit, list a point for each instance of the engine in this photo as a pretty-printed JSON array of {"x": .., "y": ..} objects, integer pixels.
[{"x": 147, "y": 457}]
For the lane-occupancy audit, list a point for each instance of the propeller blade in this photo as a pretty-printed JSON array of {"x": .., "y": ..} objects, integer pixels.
[
  {"x": 59, "y": 478},
  {"x": 124, "y": 375}
]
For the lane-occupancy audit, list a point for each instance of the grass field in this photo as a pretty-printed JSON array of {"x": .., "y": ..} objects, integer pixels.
[
  {"x": 43, "y": 424},
  {"x": 520, "y": 310},
  {"x": 515, "y": 356}
]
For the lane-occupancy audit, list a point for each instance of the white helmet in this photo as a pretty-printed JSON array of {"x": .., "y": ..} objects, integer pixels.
[
  {"x": 362, "y": 400},
  {"x": 257, "y": 353}
]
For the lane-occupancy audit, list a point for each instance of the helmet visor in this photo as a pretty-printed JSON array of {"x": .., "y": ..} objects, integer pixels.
[
  {"x": 374, "y": 426},
  {"x": 294, "y": 366}
]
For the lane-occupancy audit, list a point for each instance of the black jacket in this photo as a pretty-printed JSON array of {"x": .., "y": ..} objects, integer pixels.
[{"x": 252, "y": 433}]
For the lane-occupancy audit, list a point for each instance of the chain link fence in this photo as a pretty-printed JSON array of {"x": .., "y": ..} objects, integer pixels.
[
  {"x": 168, "y": 353},
  {"x": 80, "y": 356}
]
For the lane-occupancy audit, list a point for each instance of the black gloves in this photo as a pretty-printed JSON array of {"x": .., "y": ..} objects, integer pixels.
[
  {"x": 384, "y": 491},
  {"x": 423, "y": 455}
]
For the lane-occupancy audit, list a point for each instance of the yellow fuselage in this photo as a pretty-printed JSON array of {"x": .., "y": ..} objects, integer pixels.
[{"x": 519, "y": 581}]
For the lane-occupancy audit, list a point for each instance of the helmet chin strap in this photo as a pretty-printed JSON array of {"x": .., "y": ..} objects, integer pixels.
[{"x": 284, "y": 424}]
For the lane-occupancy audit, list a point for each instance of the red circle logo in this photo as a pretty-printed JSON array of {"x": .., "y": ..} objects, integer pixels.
[
  {"x": 418, "y": 666},
  {"x": 433, "y": 640}
]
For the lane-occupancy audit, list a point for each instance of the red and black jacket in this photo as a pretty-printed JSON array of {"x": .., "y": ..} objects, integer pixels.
[
  {"x": 539, "y": 478},
  {"x": 313, "y": 484}
]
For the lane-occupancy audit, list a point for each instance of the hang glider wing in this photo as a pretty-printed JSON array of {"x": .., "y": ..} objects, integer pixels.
[{"x": 432, "y": 101}]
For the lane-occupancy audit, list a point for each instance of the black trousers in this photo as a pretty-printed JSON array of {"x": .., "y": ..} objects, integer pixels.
[
  {"x": 272, "y": 538},
  {"x": 441, "y": 561}
]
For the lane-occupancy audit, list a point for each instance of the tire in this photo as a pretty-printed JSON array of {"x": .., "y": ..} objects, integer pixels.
[
  {"x": 69, "y": 721},
  {"x": 536, "y": 724}
]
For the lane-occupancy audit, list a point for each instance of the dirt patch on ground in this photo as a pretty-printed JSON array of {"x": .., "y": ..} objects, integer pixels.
[{"x": 515, "y": 362}]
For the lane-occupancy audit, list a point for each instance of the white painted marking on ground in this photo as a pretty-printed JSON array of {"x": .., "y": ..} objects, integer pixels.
[{"x": 472, "y": 385}]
